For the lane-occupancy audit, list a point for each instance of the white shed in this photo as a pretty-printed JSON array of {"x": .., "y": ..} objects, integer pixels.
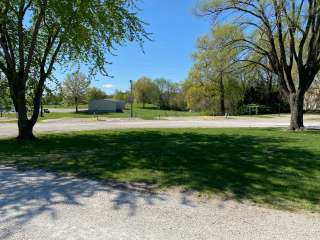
[{"x": 106, "y": 105}]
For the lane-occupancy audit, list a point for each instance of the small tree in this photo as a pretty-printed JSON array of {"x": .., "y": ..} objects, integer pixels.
[
  {"x": 145, "y": 91},
  {"x": 75, "y": 89}
]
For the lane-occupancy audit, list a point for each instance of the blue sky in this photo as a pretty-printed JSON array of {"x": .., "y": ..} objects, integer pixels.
[{"x": 174, "y": 31}]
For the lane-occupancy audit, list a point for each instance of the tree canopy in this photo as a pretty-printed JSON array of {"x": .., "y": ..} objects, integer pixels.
[
  {"x": 96, "y": 93},
  {"x": 215, "y": 64},
  {"x": 145, "y": 91}
]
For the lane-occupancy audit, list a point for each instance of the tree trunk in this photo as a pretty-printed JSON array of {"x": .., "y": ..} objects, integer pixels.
[
  {"x": 25, "y": 126},
  {"x": 76, "y": 102},
  {"x": 296, "y": 101},
  {"x": 221, "y": 100},
  {"x": 25, "y": 130}
]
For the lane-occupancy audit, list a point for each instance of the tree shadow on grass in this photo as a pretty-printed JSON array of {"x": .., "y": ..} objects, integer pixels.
[{"x": 266, "y": 167}]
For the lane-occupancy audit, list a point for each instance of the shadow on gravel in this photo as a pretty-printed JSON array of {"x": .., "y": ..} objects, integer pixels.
[
  {"x": 270, "y": 167},
  {"x": 25, "y": 195}
]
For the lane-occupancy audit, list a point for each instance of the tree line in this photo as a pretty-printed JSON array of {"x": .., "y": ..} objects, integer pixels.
[
  {"x": 211, "y": 87},
  {"x": 219, "y": 81}
]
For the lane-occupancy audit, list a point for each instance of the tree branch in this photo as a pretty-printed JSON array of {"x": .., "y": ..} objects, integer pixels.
[{"x": 34, "y": 37}]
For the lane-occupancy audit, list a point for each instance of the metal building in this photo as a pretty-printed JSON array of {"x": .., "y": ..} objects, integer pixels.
[{"x": 106, "y": 105}]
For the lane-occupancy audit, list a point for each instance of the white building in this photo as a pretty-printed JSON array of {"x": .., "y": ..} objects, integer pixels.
[
  {"x": 312, "y": 100},
  {"x": 106, "y": 105}
]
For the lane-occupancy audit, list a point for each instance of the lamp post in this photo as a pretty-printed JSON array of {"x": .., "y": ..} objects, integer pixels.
[{"x": 131, "y": 97}]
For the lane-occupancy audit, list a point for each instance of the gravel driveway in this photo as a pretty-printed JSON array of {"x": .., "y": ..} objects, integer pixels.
[
  {"x": 66, "y": 125},
  {"x": 36, "y": 205}
]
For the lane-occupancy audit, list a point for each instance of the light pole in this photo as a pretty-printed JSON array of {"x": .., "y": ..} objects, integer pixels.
[{"x": 131, "y": 97}]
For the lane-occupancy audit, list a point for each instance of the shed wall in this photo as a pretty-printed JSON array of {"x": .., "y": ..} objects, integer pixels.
[{"x": 102, "y": 106}]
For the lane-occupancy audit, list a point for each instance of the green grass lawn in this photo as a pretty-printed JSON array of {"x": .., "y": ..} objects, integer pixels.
[
  {"x": 153, "y": 113},
  {"x": 266, "y": 166},
  {"x": 147, "y": 113},
  {"x": 150, "y": 112}
]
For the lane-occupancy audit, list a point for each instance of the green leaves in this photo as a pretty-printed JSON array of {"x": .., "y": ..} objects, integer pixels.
[
  {"x": 88, "y": 29},
  {"x": 145, "y": 91},
  {"x": 75, "y": 88},
  {"x": 215, "y": 65},
  {"x": 5, "y": 101}
]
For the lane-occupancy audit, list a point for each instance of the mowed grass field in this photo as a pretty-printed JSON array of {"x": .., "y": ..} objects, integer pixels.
[
  {"x": 151, "y": 112},
  {"x": 147, "y": 114},
  {"x": 270, "y": 167}
]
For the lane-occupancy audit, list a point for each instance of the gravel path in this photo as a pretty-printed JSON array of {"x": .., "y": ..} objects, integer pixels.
[
  {"x": 66, "y": 125},
  {"x": 36, "y": 205}
]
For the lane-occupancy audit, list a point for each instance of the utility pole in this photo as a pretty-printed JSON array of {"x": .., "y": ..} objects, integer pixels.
[
  {"x": 41, "y": 109},
  {"x": 131, "y": 97}
]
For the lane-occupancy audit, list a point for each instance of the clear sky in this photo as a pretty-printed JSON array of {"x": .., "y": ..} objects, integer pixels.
[{"x": 174, "y": 31}]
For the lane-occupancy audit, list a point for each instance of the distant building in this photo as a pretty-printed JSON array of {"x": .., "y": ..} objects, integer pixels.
[
  {"x": 106, "y": 105},
  {"x": 312, "y": 100}
]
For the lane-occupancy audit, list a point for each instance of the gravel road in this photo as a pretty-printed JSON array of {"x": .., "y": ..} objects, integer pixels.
[
  {"x": 36, "y": 205},
  {"x": 66, "y": 125}
]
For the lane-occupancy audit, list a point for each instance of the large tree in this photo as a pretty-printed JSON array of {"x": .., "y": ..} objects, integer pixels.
[
  {"x": 216, "y": 63},
  {"x": 286, "y": 33},
  {"x": 36, "y": 35}
]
